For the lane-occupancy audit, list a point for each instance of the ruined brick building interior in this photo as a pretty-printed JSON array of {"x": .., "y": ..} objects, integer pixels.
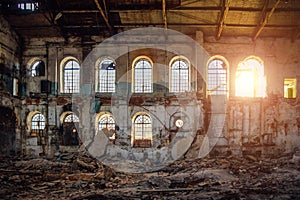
[{"x": 150, "y": 85}]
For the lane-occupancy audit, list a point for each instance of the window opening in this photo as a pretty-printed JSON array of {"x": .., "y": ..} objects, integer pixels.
[
  {"x": 37, "y": 124},
  {"x": 108, "y": 126},
  {"x": 217, "y": 77},
  {"x": 180, "y": 76},
  {"x": 250, "y": 80},
  {"x": 71, "y": 77},
  {"x": 107, "y": 76},
  {"x": 142, "y": 131},
  {"x": 143, "y": 76},
  {"x": 38, "y": 69},
  {"x": 290, "y": 88},
  {"x": 70, "y": 134}
]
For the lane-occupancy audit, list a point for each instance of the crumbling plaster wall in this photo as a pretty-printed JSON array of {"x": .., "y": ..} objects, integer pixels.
[
  {"x": 280, "y": 56},
  {"x": 53, "y": 104},
  {"x": 265, "y": 126},
  {"x": 9, "y": 69}
]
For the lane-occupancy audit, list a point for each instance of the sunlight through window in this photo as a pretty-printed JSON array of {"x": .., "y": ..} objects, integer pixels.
[{"x": 250, "y": 80}]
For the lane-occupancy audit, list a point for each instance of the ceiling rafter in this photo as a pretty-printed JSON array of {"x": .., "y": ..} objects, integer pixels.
[
  {"x": 265, "y": 17},
  {"x": 224, "y": 12},
  {"x": 210, "y": 8},
  {"x": 105, "y": 17},
  {"x": 164, "y": 13}
]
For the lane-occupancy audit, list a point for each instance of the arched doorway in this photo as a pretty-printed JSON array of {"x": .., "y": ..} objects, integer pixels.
[
  {"x": 70, "y": 133},
  {"x": 7, "y": 131}
]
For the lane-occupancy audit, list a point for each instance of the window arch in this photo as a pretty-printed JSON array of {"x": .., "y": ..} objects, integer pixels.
[
  {"x": 38, "y": 68},
  {"x": 107, "y": 124},
  {"x": 69, "y": 129},
  {"x": 71, "y": 75},
  {"x": 37, "y": 124},
  {"x": 180, "y": 74},
  {"x": 142, "y": 75},
  {"x": 105, "y": 75},
  {"x": 217, "y": 76},
  {"x": 71, "y": 118},
  {"x": 250, "y": 80},
  {"x": 142, "y": 131}
]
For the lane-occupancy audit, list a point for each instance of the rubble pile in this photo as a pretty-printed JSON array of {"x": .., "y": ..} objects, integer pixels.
[{"x": 79, "y": 176}]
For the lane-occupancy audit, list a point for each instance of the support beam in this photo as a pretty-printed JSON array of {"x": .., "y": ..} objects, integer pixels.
[
  {"x": 265, "y": 18},
  {"x": 224, "y": 12},
  {"x": 105, "y": 8},
  {"x": 104, "y": 16},
  {"x": 164, "y": 13}
]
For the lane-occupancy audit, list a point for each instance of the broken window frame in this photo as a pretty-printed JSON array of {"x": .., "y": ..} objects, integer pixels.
[
  {"x": 180, "y": 75},
  {"x": 107, "y": 123},
  {"x": 142, "y": 131},
  {"x": 34, "y": 71},
  {"x": 105, "y": 75},
  {"x": 142, "y": 75}
]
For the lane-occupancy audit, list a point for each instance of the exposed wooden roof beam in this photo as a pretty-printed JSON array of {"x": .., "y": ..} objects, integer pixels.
[
  {"x": 104, "y": 16},
  {"x": 164, "y": 13},
  {"x": 265, "y": 18},
  {"x": 224, "y": 12},
  {"x": 105, "y": 8},
  {"x": 211, "y": 8},
  {"x": 129, "y": 25}
]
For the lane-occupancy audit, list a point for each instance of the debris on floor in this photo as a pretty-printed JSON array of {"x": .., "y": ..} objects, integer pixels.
[{"x": 78, "y": 176}]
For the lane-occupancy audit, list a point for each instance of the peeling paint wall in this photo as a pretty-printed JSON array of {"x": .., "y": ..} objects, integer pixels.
[
  {"x": 262, "y": 126},
  {"x": 10, "y": 87}
]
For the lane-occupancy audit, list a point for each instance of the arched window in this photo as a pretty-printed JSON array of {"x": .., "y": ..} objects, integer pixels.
[
  {"x": 250, "y": 80},
  {"x": 37, "y": 124},
  {"x": 38, "y": 68},
  {"x": 217, "y": 77},
  {"x": 180, "y": 75},
  {"x": 71, "y": 118},
  {"x": 106, "y": 70},
  {"x": 142, "y": 131},
  {"x": 70, "y": 133},
  {"x": 71, "y": 76},
  {"x": 107, "y": 124},
  {"x": 142, "y": 82}
]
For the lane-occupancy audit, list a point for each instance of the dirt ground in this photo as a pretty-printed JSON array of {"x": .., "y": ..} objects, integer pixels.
[{"x": 78, "y": 176}]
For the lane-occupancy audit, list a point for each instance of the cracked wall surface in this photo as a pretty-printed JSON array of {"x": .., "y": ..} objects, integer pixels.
[{"x": 261, "y": 126}]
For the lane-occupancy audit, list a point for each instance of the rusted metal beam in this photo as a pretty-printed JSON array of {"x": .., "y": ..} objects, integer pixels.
[
  {"x": 104, "y": 16},
  {"x": 265, "y": 18},
  {"x": 164, "y": 13},
  {"x": 224, "y": 12}
]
